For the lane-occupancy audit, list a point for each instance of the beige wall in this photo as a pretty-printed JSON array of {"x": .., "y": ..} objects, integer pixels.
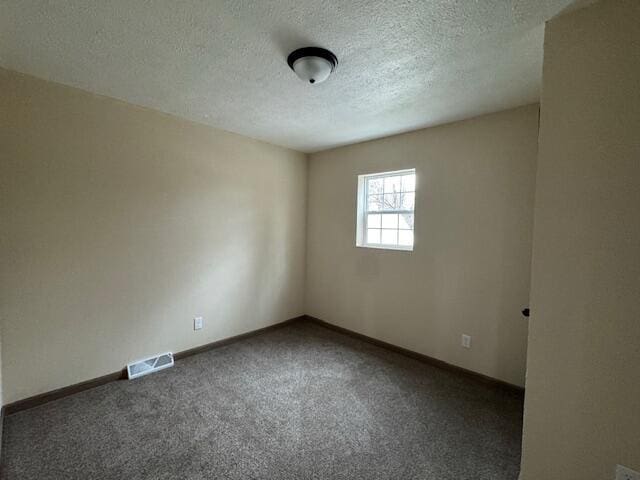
[
  {"x": 470, "y": 270},
  {"x": 582, "y": 412},
  {"x": 1, "y": 391},
  {"x": 120, "y": 224}
]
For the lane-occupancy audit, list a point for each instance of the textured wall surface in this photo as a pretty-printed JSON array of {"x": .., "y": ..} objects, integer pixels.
[
  {"x": 404, "y": 64},
  {"x": 582, "y": 412},
  {"x": 470, "y": 269},
  {"x": 120, "y": 224}
]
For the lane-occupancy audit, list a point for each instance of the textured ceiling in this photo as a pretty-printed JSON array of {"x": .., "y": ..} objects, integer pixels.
[{"x": 403, "y": 64}]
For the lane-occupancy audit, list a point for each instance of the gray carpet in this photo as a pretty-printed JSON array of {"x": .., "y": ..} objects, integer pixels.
[{"x": 300, "y": 402}]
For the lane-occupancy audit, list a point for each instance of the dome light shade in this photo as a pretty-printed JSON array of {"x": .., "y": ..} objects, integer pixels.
[{"x": 312, "y": 64}]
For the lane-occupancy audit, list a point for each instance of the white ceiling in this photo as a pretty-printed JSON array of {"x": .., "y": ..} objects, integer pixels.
[{"x": 404, "y": 64}]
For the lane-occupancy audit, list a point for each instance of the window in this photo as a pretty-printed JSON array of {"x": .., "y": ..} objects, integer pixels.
[{"x": 385, "y": 210}]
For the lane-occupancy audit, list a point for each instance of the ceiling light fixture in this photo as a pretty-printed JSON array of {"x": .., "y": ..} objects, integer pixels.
[{"x": 312, "y": 64}]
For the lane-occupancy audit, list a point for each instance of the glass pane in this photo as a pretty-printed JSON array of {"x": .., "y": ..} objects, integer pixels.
[
  {"x": 373, "y": 220},
  {"x": 406, "y": 221},
  {"x": 392, "y": 201},
  {"x": 390, "y": 220},
  {"x": 409, "y": 183},
  {"x": 373, "y": 235},
  {"x": 408, "y": 201},
  {"x": 389, "y": 237},
  {"x": 374, "y": 203},
  {"x": 375, "y": 185},
  {"x": 392, "y": 184},
  {"x": 405, "y": 238}
]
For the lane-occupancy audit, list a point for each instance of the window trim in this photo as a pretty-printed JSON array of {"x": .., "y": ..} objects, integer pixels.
[{"x": 361, "y": 211}]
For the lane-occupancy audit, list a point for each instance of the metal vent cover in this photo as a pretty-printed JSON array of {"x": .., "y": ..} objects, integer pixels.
[{"x": 149, "y": 365}]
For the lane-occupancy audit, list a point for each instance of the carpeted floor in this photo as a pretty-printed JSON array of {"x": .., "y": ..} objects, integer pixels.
[{"x": 300, "y": 402}]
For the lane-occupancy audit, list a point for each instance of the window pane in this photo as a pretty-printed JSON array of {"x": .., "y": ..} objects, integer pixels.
[
  {"x": 406, "y": 221},
  {"x": 390, "y": 220},
  {"x": 409, "y": 183},
  {"x": 373, "y": 235},
  {"x": 405, "y": 238},
  {"x": 389, "y": 237},
  {"x": 408, "y": 201},
  {"x": 375, "y": 185},
  {"x": 381, "y": 198},
  {"x": 392, "y": 201},
  {"x": 374, "y": 203},
  {"x": 373, "y": 220},
  {"x": 392, "y": 184}
]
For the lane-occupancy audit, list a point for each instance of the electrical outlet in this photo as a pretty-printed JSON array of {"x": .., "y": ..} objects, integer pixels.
[
  {"x": 466, "y": 341},
  {"x": 624, "y": 473},
  {"x": 197, "y": 323}
]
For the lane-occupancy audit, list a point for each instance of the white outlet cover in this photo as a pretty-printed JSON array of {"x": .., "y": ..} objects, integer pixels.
[
  {"x": 624, "y": 473},
  {"x": 466, "y": 341},
  {"x": 197, "y": 323}
]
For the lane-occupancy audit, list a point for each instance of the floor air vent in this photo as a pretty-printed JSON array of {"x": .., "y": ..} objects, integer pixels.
[{"x": 149, "y": 365}]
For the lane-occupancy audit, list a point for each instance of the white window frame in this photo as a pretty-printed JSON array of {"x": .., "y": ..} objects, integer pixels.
[{"x": 362, "y": 211}]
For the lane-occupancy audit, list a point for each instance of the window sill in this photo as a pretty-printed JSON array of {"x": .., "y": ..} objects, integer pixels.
[{"x": 387, "y": 247}]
